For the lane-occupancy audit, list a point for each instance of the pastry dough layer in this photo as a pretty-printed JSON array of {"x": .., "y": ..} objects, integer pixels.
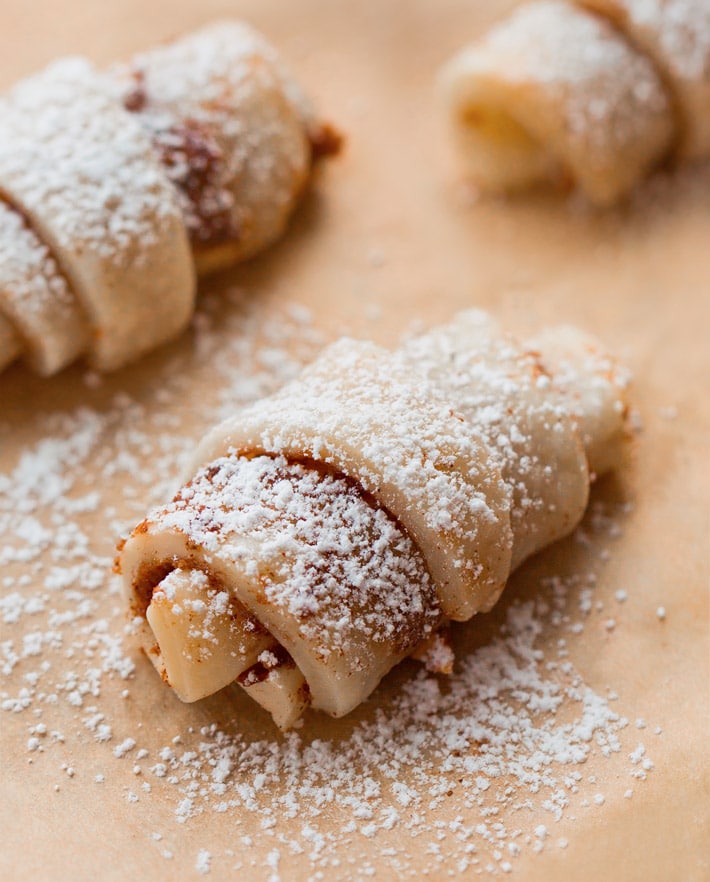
[
  {"x": 553, "y": 92},
  {"x": 104, "y": 206},
  {"x": 36, "y": 299},
  {"x": 230, "y": 124},
  {"x": 118, "y": 187},
  {"x": 330, "y": 576},
  {"x": 366, "y": 413},
  {"x": 508, "y": 398},
  {"x": 675, "y": 34},
  {"x": 594, "y": 387}
]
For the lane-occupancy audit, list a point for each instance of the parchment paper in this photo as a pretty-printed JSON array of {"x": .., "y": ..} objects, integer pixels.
[{"x": 389, "y": 240}]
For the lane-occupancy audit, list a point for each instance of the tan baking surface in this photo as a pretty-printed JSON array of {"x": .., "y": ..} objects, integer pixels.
[{"x": 388, "y": 240}]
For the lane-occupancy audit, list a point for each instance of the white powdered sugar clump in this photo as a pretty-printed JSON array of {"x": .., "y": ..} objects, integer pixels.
[
  {"x": 460, "y": 774},
  {"x": 202, "y": 864}
]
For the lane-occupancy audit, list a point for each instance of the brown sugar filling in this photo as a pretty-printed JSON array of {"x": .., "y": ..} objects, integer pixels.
[{"x": 194, "y": 162}]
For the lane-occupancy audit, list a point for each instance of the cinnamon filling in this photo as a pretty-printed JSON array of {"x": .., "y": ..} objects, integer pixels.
[
  {"x": 325, "y": 140},
  {"x": 276, "y": 657},
  {"x": 194, "y": 162}
]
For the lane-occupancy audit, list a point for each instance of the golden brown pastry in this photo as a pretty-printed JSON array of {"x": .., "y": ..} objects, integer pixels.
[{"x": 328, "y": 531}]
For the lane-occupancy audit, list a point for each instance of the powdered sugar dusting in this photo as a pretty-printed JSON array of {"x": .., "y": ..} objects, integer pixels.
[
  {"x": 358, "y": 409},
  {"x": 675, "y": 35},
  {"x": 35, "y": 297},
  {"x": 682, "y": 30},
  {"x": 319, "y": 544},
  {"x": 103, "y": 204},
  {"x": 604, "y": 86},
  {"x": 65, "y": 121},
  {"x": 468, "y": 773},
  {"x": 230, "y": 125}
]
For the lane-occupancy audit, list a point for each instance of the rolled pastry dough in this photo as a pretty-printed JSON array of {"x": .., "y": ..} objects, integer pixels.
[
  {"x": 675, "y": 35},
  {"x": 553, "y": 92},
  {"x": 232, "y": 127},
  {"x": 36, "y": 299},
  {"x": 115, "y": 187},
  {"x": 294, "y": 546},
  {"x": 357, "y": 409},
  {"x": 354, "y": 512},
  {"x": 590, "y": 380},
  {"x": 103, "y": 205},
  {"x": 526, "y": 425}
]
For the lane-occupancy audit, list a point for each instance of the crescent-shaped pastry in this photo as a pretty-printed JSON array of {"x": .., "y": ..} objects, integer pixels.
[
  {"x": 116, "y": 187},
  {"x": 328, "y": 531},
  {"x": 554, "y": 93}
]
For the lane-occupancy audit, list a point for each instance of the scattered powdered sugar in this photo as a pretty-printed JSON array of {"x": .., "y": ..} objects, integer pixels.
[
  {"x": 202, "y": 864},
  {"x": 464, "y": 773}
]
